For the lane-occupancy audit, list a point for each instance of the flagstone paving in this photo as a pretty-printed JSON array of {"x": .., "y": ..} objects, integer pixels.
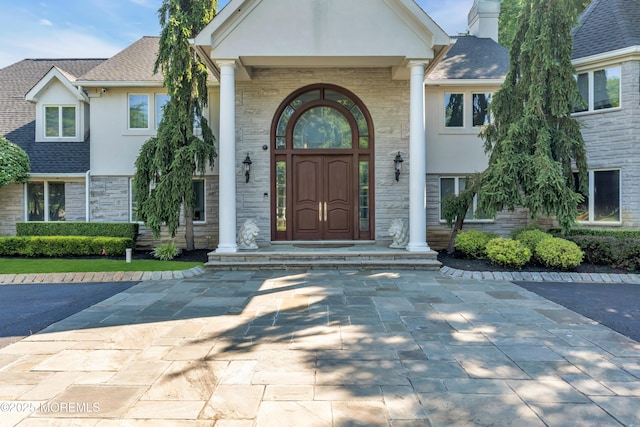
[{"x": 322, "y": 348}]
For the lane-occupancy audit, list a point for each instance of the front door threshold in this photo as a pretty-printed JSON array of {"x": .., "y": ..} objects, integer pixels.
[{"x": 323, "y": 242}]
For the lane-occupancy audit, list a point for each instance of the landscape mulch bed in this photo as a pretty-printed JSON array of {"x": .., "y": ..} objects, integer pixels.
[
  {"x": 196, "y": 255},
  {"x": 458, "y": 261}
]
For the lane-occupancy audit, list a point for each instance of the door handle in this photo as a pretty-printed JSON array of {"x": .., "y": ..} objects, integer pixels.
[
  {"x": 319, "y": 211},
  {"x": 325, "y": 211}
]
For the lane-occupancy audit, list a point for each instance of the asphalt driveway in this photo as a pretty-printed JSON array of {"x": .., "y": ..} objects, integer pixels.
[
  {"x": 616, "y": 306},
  {"x": 26, "y": 309}
]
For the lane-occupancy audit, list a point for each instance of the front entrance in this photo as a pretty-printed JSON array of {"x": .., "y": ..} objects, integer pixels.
[
  {"x": 323, "y": 201},
  {"x": 322, "y": 146}
]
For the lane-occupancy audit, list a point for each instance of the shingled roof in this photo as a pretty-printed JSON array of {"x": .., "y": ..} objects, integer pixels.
[
  {"x": 17, "y": 115},
  {"x": 605, "y": 26},
  {"x": 472, "y": 58},
  {"x": 133, "y": 64}
]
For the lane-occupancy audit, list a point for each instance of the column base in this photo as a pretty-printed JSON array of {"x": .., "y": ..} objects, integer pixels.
[
  {"x": 227, "y": 249},
  {"x": 418, "y": 247}
]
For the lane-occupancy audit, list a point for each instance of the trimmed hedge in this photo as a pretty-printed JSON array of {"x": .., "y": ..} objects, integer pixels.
[
  {"x": 620, "y": 233},
  {"x": 473, "y": 244},
  {"x": 611, "y": 251},
  {"x": 103, "y": 229},
  {"x": 58, "y": 246},
  {"x": 508, "y": 252},
  {"x": 558, "y": 253}
]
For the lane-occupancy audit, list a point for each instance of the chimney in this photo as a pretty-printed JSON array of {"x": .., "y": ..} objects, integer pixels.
[{"x": 483, "y": 19}]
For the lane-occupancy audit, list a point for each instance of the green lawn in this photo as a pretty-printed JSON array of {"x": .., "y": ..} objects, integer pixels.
[{"x": 62, "y": 265}]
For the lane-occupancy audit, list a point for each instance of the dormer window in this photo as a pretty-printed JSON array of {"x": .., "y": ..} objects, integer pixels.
[{"x": 60, "y": 121}]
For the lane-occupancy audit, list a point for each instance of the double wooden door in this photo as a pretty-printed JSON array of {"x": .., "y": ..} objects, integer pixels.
[{"x": 324, "y": 197}]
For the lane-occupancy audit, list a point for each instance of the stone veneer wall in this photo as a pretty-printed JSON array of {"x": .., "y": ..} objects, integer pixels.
[
  {"x": 505, "y": 222},
  {"x": 110, "y": 203},
  {"x": 75, "y": 201},
  {"x": 612, "y": 139},
  {"x": 109, "y": 199},
  {"x": 388, "y": 104},
  {"x": 12, "y": 202}
]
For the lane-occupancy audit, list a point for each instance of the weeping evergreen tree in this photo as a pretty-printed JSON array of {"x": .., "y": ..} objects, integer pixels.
[
  {"x": 533, "y": 142},
  {"x": 509, "y": 11},
  {"x": 167, "y": 162}
]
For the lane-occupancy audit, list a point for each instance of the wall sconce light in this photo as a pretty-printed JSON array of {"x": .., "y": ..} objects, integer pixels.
[
  {"x": 247, "y": 166},
  {"x": 398, "y": 164}
]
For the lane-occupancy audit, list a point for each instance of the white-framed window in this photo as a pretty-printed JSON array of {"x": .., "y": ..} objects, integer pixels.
[
  {"x": 138, "y": 111},
  {"x": 466, "y": 110},
  {"x": 161, "y": 101},
  {"x": 600, "y": 89},
  {"x": 133, "y": 207},
  {"x": 199, "y": 208},
  {"x": 454, "y": 185},
  {"x": 59, "y": 121},
  {"x": 45, "y": 201},
  {"x": 453, "y": 110},
  {"x": 480, "y": 104},
  {"x": 602, "y": 203}
]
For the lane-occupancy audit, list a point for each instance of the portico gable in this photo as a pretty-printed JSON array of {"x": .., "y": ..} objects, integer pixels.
[{"x": 250, "y": 36}]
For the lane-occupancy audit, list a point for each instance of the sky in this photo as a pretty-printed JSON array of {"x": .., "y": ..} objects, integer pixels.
[{"x": 102, "y": 28}]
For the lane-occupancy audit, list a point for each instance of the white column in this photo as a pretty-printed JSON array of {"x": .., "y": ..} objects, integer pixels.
[
  {"x": 227, "y": 159},
  {"x": 417, "y": 163}
]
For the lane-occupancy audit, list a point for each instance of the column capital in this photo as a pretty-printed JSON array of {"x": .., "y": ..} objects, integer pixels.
[
  {"x": 225, "y": 63},
  {"x": 412, "y": 63}
]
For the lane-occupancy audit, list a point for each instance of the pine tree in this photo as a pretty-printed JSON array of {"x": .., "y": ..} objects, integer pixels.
[
  {"x": 167, "y": 162},
  {"x": 533, "y": 142}
]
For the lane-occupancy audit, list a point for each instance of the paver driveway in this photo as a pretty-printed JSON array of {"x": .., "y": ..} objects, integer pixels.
[{"x": 324, "y": 348}]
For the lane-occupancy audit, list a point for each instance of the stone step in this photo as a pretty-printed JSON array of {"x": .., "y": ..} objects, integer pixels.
[{"x": 304, "y": 259}]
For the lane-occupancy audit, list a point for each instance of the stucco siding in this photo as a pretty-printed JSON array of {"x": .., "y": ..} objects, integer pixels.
[
  {"x": 12, "y": 202},
  {"x": 115, "y": 147},
  {"x": 454, "y": 150}
]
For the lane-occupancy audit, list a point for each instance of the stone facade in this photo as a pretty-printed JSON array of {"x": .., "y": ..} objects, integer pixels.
[
  {"x": 12, "y": 202},
  {"x": 109, "y": 200},
  {"x": 388, "y": 103},
  {"x": 110, "y": 203},
  {"x": 612, "y": 138},
  {"x": 75, "y": 201},
  {"x": 438, "y": 231}
]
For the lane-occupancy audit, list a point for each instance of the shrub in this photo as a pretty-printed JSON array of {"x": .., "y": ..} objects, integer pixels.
[
  {"x": 558, "y": 253},
  {"x": 516, "y": 233},
  {"x": 508, "y": 252},
  {"x": 473, "y": 243},
  {"x": 620, "y": 233},
  {"x": 629, "y": 255},
  {"x": 104, "y": 229},
  {"x": 531, "y": 238},
  {"x": 166, "y": 251},
  {"x": 598, "y": 249},
  {"x": 58, "y": 246}
]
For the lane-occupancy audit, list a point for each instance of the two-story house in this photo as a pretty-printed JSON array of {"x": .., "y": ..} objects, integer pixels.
[
  {"x": 606, "y": 54},
  {"x": 324, "y": 106}
]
